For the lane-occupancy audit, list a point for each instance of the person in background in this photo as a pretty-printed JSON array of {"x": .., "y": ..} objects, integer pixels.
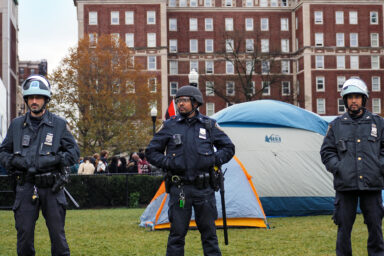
[
  {"x": 86, "y": 167},
  {"x": 123, "y": 165},
  {"x": 133, "y": 163},
  {"x": 143, "y": 165},
  {"x": 113, "y": 167},
  {"x": 353, "y": 151}
]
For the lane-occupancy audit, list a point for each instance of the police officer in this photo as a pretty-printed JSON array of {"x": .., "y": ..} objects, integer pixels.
[
  {"x": 37, "y": 146},
  {"x": 353, "y": 150},
  {"x": 188, "y": 139}
]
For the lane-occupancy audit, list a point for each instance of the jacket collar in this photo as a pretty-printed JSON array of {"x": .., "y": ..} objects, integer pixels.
[
  {"x": 47, "y": 119},
  {"x": 367, "y": 116},
  {"x": 198, "y": 116}
]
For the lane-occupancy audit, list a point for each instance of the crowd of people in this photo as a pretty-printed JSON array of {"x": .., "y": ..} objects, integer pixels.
[{"x": 101, "y": 163}]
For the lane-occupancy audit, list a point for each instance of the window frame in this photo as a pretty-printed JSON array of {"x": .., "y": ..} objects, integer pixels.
[
  {"x": 191, "y": 44},
  {"x": 154, "y": 57},
  {"x": 227, "y": 89},
  {"x": 149, "y": 14},
  {"x": 112, "y": 14},
  {"x": 129, "y": 20},
  {"x": 320, "y": 81},
  {"x": 92, "y": 20}
]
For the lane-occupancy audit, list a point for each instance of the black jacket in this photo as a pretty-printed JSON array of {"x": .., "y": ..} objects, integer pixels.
[
  {"x": 353, "y": 150},
  {"x": 46, "y": 149},
  {"x": 188, "y": 147}
]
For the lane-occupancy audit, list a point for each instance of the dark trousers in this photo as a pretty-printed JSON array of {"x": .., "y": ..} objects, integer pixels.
[
  {"x": 204, "y": 204},
  {"x": 26, "y": 214},
  {"x": 345, "y": 214}
]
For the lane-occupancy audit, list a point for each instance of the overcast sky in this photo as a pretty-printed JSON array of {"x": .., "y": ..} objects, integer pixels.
[{"x": 47, "y": 29}]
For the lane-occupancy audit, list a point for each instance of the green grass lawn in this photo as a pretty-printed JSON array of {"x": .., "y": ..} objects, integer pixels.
[{"x": 117, "y": 232}]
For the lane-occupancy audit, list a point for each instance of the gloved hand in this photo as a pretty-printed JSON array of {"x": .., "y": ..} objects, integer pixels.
[
  {"x": 48, "y": 161},
  {"x": 18, "y": 162}
]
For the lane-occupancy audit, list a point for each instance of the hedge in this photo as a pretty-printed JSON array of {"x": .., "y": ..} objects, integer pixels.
[{"x": 100, "y": 191}]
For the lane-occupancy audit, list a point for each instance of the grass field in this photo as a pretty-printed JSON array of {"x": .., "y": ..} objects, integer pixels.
[{"x": 117, "y": 232}]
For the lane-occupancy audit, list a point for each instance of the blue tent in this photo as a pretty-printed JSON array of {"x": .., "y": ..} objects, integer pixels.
[{"x": 279, "y": 145}]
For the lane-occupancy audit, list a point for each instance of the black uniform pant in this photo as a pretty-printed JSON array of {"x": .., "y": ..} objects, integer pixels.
[
  {"x": 204, "y": 204},
  {"x": 26, "y": 214},
  {"x": 345, "y": 214}
]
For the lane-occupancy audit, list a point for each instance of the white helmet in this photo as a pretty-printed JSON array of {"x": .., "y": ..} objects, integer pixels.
[
  {"x": 354, "y": 85},
  {"x": 36, "y": 85}
]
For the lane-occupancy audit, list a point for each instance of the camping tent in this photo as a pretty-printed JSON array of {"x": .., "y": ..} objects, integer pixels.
[
  {"x": 279, "y": 145},
  {"x": 243, "y": 206}
]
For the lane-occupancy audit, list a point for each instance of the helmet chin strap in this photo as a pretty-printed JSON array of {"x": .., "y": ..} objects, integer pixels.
[{"x": 188, "y": 113}]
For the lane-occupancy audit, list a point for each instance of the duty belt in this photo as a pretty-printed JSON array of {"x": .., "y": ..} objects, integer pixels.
[{"x": 43, "y": 180}]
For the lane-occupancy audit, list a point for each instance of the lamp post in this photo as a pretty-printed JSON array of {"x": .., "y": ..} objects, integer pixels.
[
  {"x": 193, "y": 77},
  {"x": 154, "y": 116}
]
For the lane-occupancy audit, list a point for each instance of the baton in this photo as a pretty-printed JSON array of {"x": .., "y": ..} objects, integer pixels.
[{"x": 70, "y": 197}]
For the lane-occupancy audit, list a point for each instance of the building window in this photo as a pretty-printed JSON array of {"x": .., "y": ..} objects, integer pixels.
[
  {"x": 228, "y": 24},
  {"x": 340, "y": 40},
  {"x": 319, "y": 39},
  {"x": 249, "y": 24},
  {"x": 32, "y": 71},
  {"x": 249, "y": 45},
  {"x": 92, "y": 40},
  {"x": 21, "y": 72},
  {"x": 114, "y": 18},
  {"x": 274, "y": 3},
  {"x": 340, "y": 82},
  {"x": 208, "y": 3},
  {"x": 375, "y": 83},
  {"x": 319, "y": 17},
  {"x": 193, "y": 3},
  {"x": 151, "y": 39},
  {"x": 285, "y": 67},
  {"x": 151, "y": 17},
  {"x": 374, "y": 18},
  {"x": 249, "y": 67},
  {"x": 151, "y": 65},
  {"x": 192, "y": 24},
  {"x": 284, "y": 45},
  {"x": 340, "y": 106},
  {"x": 130, "y": 40},
  {"x": 194, "y": 64},
  {"x": 354, "y": 39},
  {"x": 210, "y": 108},
  {"x": 152, "y": 85},
  {"x": 265, "y": 66},
  {"x": 173, "y": 87},
  {"x": 376, "y": 105},
  {"x": 172, "y": 3},
  {"x": 264, "y": 45},
  {"x": 264, "y": 24},
  {"x": 284, "y": 24},
  {"x": 229, "y": 45},
  {"x": 340, "y": 62},
  {"x": 208, "y": 24},
  {"x": 173, "y": 67},
  {"x": 320, "y": 84},
  {"x": 115, "y": 37},
  {"x": 320, "y": 104},
  {"x": 173, "y": 45},
  {"x": 129, "y": 18},
  {"x": 183, "y": 3},
  {"x": 354, "y": 62},
  {"x": 266, "y": 88},
  {"x": 208, "y": 45},
  {"x": 228, "y": 3},
  {"x": 229, "y": 69},
  {"x": 209, "y": 88},
  {"x": 249, "y": 3},
  {"x": 193, "y": 45},
  {"x": 375, "y": 62},
  {"x": 209, "y": 67},
  {"x": 319, "y": 62},
  {"x": 92, "y": 18},
  {"x": 263, "y": 3},
  {"x": 285, "y": 88},
  {"x": 230, "y": 88},
  {"x": 339, "y": 17},
  {"x": 374, "y": 39},
  {"x": 172, "y": 24},
  {"x": 353, "y": 18}
]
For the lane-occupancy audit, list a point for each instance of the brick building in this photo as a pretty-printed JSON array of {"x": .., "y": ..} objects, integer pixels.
[
  {"x": 8, "y": 63},
  {"x": 315, "y": 46}
]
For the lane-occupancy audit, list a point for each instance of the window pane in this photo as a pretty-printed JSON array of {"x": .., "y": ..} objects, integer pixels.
[
  {"x": 151, "y": 17},
  {"x": 208, "y": 24},
  {"x": 173, "y": 86},
  {"x": 114, "y": 18},
  {"x": 129, "y": 18},
  {"x": 375, "y": 83},
  {"x": 92, "y": 18}
]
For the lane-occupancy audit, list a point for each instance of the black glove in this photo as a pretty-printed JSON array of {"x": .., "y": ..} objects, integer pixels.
[
  {"x": 48, "y": 161},
  {"x": 18, "y": 162}
]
